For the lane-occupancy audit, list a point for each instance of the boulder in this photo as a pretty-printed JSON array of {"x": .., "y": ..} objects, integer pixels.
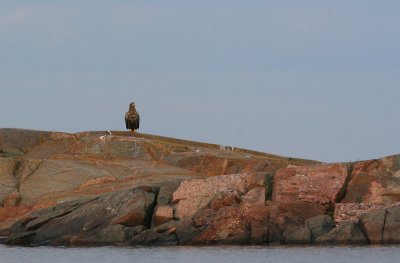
[
  {"x": 375, "y": 182},
  {"x": 298, "y": 235},
  {"x": 227, "y": 226},
  {"x": 87, "y": 221},
  {"x": 194, "y": 195},
  {"x": 226, "y": 209},
  {"x": 224, "y": 226},
  {"x": 346, "y": 233},
  {"x": 166, "y": 190},
  {"x": 245, "y": 222},
  {"x": 163, "y": 214},
  {"x": 373, "y": 224},
  {"x": 319, "y": 225},
  {"x": 391, "y": 233},
  {"x": 261, "y": 229},
  {"x": 163, "y": 234},
  {"x": 137, "y": 210},
  {"x": 225, "y": 198},
  {"x": 319, "y": 184},
  {"x": 310, "y": 231},
  {"x": 293, "y": 214}
]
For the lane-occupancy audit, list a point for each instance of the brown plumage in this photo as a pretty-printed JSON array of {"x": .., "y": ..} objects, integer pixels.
[{"x": 132, "y": 118}]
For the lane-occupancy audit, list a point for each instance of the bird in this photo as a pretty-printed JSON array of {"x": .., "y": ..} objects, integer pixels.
[{"x": 132, "y": 118}]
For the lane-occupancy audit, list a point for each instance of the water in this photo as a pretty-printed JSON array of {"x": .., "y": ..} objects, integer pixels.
[{"x": 229, "y": 254}]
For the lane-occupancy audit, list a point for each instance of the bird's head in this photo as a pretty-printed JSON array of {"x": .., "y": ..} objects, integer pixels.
[{"x": 132, "y": 105}]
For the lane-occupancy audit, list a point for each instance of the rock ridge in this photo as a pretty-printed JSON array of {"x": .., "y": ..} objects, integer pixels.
[{"x": 120, "y": 188}]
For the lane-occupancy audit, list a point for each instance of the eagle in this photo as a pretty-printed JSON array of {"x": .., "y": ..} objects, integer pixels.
[{"x": 132, "y": 118}]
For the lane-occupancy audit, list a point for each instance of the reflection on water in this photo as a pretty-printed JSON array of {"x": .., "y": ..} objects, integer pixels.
[{"x": 228, "y": 254}]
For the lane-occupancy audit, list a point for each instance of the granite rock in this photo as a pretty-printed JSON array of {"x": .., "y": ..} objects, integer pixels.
[{"x": 123, "y": 188}]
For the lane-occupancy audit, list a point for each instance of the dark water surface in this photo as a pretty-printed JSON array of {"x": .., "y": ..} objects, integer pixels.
[{"x": 224, "y": 254}]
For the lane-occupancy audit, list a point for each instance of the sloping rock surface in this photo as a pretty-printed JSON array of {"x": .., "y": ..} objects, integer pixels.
[
  {"x": 111, "y": 218},
  {"x": 123, "y": 188},
  {"x": 41, "y": 169}
]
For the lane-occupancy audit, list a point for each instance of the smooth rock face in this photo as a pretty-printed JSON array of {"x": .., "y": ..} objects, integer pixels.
[{"x": 97, "y": 188}]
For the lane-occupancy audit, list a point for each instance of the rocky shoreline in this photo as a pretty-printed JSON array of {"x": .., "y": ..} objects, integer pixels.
[{"x": 119, "y": 188}]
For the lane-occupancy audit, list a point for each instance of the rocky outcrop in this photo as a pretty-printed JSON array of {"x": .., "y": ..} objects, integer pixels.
[
  {"x": 313, "y": 228},
  {"x": 376, "y": 182},
  {"x": 7, "y": 180},
  {"x": 346, "y": 233},
  {"x": 122, "y": 188},
  {"x": 352, "y": 211},
  {"x": 319, "y": 184},
  {"x": 194, "y": 195},
  {"x": 382, "y": 226},
  {"x": 111, "y": 218},
  {"x": 220, "y": 209}
]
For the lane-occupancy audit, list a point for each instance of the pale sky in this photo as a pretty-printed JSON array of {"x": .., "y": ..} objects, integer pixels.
[{"x": 309, "y": 79}]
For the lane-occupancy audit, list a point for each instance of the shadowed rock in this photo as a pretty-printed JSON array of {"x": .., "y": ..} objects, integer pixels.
[
  {"x": 391, "y": 233},
  {"x": 312, "y": 229},
  {"x": 103, "y": 220},
  {"x": 373, "y": 224},
  {"x": 346, "y": 233}
]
